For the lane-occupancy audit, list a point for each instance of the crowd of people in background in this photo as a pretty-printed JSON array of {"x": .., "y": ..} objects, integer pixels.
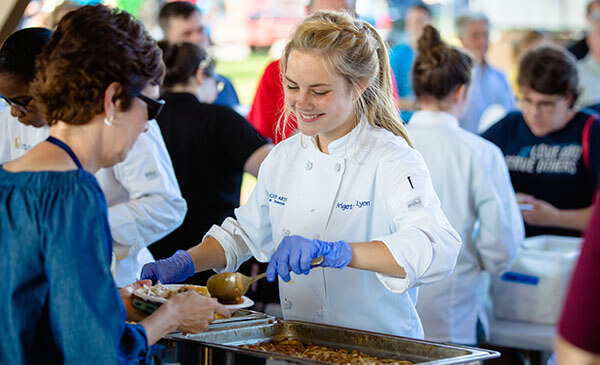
[{"x": 425, "y": 165}]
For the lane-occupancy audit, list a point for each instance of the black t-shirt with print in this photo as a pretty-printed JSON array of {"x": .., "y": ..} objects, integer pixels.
[{"x": 550, "y": 168}]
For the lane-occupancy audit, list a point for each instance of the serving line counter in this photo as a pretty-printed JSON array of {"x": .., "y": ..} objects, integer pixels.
[
  {"x": 533, "y": 341},
  {"x": 522, "y": 335},
  {"x": 220, "y": 344}
]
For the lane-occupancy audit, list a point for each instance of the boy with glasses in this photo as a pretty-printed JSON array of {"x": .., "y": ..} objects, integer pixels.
[{"x": 552, "y": 149}]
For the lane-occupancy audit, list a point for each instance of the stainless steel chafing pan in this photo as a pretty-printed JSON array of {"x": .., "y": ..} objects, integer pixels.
[
  {"x": 241, "y": 317},
  {"x": 383, "y": 346}
]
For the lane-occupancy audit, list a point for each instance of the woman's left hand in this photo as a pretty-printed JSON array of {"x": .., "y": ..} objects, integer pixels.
[
  {"x": 133, "y": 314},
  {"x": 295, "y": 253}
]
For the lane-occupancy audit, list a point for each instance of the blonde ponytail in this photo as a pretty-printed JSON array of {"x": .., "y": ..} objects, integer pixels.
[{"x": 354, "y": 50}]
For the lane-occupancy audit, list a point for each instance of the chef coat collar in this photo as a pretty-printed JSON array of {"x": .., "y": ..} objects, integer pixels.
[
  {"x": 345, "y": 146},
  {"x": 426, "y": 118}
]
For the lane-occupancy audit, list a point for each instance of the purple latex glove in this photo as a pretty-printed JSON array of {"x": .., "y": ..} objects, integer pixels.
[
  {"x": 295, "y": 253},
  {"x": 173, "y": 270}
]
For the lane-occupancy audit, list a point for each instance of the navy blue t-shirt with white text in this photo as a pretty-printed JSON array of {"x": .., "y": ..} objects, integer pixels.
[{"x": 551, "y": 167}]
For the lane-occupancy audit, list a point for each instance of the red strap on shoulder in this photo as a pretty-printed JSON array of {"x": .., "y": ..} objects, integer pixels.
[{"x": 585, "y": 140}]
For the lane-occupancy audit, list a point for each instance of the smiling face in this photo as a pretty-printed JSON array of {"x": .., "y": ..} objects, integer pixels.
[
  {"x": 14, "y": 88},
  {"x": 545, "y": 113},
  {"x": 321, "y": 102}
]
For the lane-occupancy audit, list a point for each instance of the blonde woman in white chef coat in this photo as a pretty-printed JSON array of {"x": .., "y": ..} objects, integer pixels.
[
  {"x": 350, "y": 179},
  {"x": 472, "y": 180}
]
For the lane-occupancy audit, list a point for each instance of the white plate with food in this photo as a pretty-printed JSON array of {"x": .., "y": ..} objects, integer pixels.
[{"x": 161, "y": 293}]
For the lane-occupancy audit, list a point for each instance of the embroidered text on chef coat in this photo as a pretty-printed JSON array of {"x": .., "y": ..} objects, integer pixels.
[
  {"x": 358, "y": 204},
  {"x": 277, "y": 199}
]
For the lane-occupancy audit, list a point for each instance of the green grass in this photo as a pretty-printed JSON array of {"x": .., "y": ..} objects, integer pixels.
[{"x": 245, "y": 74}]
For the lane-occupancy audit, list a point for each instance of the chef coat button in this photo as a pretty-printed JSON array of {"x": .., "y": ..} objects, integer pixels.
[
  {"x": 287, "y": 304},
  {"x": 321, "y": 312},
  {"x": 338, "y": 167},
  {"x": 316, "y": 237},
  {"x": 286, "y": 232},
  {"x": 308, "y": 165}
]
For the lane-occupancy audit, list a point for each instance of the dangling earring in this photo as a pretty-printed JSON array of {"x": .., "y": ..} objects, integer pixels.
[{"x": 108, "y": 121}]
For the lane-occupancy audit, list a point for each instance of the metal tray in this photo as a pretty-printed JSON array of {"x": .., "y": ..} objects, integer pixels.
[
  {"x": 374, "y": 344},
  {"x": 242, "y": 317}
]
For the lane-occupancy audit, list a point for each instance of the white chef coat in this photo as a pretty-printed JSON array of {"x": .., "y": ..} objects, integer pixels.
[
  {"x": 360, "y": 191},
  {"x": 144, "y": 200},
  {"x": 17, "y": 138},
  {"x": 472, "y": 181}
]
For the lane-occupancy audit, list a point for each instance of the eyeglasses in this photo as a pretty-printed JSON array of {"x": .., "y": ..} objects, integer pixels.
[
  {"x": 20, "y": 105},
  {"x": 545, "y": 106},
  {"x": 153, "y": 106}
]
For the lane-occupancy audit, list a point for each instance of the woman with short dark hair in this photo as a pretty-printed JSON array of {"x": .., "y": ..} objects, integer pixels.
[
  {"x": 17, "y": 71},
  {"x": 95, "y": 85}
]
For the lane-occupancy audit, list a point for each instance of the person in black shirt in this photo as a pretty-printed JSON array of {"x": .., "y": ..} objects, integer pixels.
[
  {"x": 211, "y": 146},
  {"x": 552, "y": 149}
]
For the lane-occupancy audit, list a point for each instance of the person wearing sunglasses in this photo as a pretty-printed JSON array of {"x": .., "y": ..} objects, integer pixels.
[
  {"x": 551, "y": 147},
  {"x": 19, "y": 105},
  {"x": 142, "y": 193},
  {"x": 17, "y": 62},
  {"x": 153, "y": 106},
  {"x": 95, "y": 86}
]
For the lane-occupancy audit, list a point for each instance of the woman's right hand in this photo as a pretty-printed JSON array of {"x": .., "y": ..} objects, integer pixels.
[
  {"x": 295, "y": 253},
  {"x": 193, "y": 312},
  {"x": 173, "y": 270},
  {"x": 187, "y": 312}
]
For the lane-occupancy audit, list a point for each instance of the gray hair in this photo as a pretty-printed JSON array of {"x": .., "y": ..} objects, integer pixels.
[{"x": 463, "y": 21}]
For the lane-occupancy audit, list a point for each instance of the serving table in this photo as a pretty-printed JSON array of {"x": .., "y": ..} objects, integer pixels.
[{"x": 220, "y": 344}]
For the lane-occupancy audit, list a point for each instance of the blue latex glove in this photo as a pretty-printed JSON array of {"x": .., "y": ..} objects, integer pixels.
[
  {"x": 173, "y": 270},
  {"x": 295, "y": 253}
]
